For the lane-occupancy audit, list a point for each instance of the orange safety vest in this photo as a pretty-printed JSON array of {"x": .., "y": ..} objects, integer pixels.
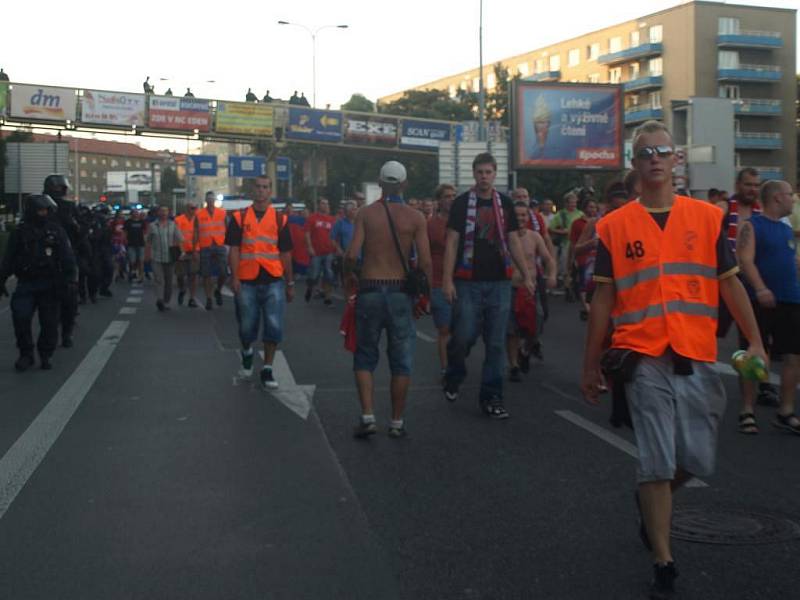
[
  {"x": 259, "y": 247},
  {"x": 667, "y": 286},
  {"x": 186, "y": 227},
  {"x": 212, "y": 229}
]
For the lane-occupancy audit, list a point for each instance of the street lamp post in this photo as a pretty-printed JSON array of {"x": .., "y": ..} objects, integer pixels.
[
  {"x": 313, "y": 33},
  {"x": 481, "y": 94}
]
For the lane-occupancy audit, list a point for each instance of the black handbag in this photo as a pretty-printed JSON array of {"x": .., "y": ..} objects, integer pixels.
[{"x": 416, "y": 283}]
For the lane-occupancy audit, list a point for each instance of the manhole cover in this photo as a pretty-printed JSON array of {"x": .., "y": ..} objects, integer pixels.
[{"x": 732, "y": 526}]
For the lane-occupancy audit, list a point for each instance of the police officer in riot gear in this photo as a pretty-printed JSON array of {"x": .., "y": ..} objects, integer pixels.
[
  {"x": 100, "y": 236},
  {"x": 87, "y": 274},
  {"x": 40, "y": 255},
  {"x": 57, "y": 187}
]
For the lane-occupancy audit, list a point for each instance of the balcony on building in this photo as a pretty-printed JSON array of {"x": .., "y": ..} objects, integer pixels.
[
  {"x": 634, "y": 53},
  {"x": 767, "y": 173},
  {"x": 758, "y": 140},
  {"x": 640, "y": 114},
  {"x": 545, "y": 76},
  {"x": 644, "y": 82},
  {"x": 764, "y": 107},
  {"x": 755, "y": 73},
  {"x": 750, "y": 39}
]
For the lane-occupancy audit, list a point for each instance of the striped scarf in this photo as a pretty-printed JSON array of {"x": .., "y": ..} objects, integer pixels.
[{"x": 464, "y": 270}]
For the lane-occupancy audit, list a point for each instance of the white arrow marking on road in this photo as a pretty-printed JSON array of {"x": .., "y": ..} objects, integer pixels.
[
  {"x": 425, "y": 337},
  {"x": 139, "y": 291},
  {"x": 29, "y": 450},
  {"x": 134, "y": 300},
  {"x": 297, "y": 398},
  {"x": 614, "y": 440},
  {"x": 127, "y": 310}
]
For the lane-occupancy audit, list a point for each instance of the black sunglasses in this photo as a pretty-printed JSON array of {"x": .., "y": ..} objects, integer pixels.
[{"x": 647, "y": 152}]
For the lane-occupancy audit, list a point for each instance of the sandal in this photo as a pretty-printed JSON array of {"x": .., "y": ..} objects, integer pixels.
[
  {"x": 788, "y": 422},
  {"x": 747, "y": 424}
]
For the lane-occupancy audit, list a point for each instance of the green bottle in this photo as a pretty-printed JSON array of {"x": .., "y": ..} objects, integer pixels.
[{"x": 749, "y": 367}]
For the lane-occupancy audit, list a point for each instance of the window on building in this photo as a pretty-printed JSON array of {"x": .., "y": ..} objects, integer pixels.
[
  {"x": 491, "y": 81},
  {"x": 656, "y": 34},
  {"x": 655, "y": 99},
  {"x": 634, "y": 38},
  {"x": 592, "y": 51},
  {"x": 614, "y": 44},
  {"x": 522, "y": 69},
  {"x": 84, "y": 173},
  {"x": 633, "y": 100},
  {"x": 114, "y": 162},
  {"x": 728, "y": 59},
  {"x": 541, "y": 65},
  {"x": 730, "y": 91},
  {"x": 633, "y": 71},
  {"x": 463, "y": 86},
  {"x": 94, "y": 160},
  {"x": 452, "y": 90},
  {"x": 737, "y": 126},
  {"x": 615, "y": 75},
  {"x": 103, "y": 161},
  {"x": 655, "y": 66},
  {"x": 83, "y": 160},
  {"x": 555, "y": 62},
  {"x": 737, "y": 159},
  {"x": 476, "y": 84},
  {"x": 593, "y": 78},
  {"x": 728, "y": 25},
  {"x": 574, "y": 57},
  {"x": 128, "y": 163}
]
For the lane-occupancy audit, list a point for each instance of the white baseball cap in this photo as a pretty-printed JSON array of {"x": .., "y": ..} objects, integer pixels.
[{"x": 392, "y": 172}]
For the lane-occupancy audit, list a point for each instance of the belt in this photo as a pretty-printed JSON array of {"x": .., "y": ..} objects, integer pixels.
[{"x": 366, "y": 285}]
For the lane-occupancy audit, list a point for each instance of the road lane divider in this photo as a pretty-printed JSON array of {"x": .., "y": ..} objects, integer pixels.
[{"x": 22, "y": 459}]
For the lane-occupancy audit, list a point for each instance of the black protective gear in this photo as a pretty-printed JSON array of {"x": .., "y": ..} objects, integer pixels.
[{"x": 56, "y": 185}]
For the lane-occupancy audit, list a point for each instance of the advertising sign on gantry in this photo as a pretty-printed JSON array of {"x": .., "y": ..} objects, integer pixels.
[
  {"x": 112, "y": 108},
  {"x": 43, "y": 103},
  {"x": 423, "y": 134},
  {"x": 370, "y": 130},
  {"x": 567, "y": 126},
  {"x": 182, "y": 114},
  {"x": 314, "y": 125},
  {"x": 244, "y": 117}
]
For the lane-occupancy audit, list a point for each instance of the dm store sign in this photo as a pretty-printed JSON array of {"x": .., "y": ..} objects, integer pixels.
[{"x": 43, "y": 103}]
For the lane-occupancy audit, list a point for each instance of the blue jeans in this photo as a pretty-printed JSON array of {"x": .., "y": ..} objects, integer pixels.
[
  {"x": 264, "y": 302},
  {"x": 481, "y": 308},
  {"x": 441, "y": 309},
  {"x": 321, "y": 266},
  {"x": 390, "y": 309}
]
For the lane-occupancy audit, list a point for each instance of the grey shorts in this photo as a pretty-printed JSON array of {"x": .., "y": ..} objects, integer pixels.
[{"x": 675, "y": 418}]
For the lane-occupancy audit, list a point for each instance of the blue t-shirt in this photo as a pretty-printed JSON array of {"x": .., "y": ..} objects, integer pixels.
[
  {"x": 342, "y": 233},
  {"x": 775, "y": 258}
]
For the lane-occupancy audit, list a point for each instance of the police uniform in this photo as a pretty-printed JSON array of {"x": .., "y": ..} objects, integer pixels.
[
  {"x": 40, "y": 255},
  {"x": 102, "y": 250}
]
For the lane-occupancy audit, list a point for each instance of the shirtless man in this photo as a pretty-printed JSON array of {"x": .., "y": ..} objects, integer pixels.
[
  {"x": 382, "y": 303},
  {"x": 534, "y": 248}
]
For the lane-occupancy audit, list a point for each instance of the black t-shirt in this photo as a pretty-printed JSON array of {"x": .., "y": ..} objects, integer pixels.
[
  {"x": 135, "y": 231},
  {"x": 604, "y": 270},
  {"x": 233, "y": 237},
  {"x": 488, "y": 262}
]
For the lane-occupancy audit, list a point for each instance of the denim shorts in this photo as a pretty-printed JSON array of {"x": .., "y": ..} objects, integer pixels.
[
  {"x": 441, "y": 309},
  {"x": 213, "y": 261},
  {"x": 265, "y": 303},
  {"x": 135, "y": 254},
  {"x": 321, "y": 266},
  {"x": 389, "y": 308}
]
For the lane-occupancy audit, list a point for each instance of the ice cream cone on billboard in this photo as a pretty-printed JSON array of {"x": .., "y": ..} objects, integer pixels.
[{"x": 541, "y": 121}]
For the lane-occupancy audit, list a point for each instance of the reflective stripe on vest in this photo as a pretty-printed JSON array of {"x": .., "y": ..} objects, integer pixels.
[
  {"x": 212, "y": 228},
  {"x": 666, "y": 282},
  {"x": 259, "y": 247}
]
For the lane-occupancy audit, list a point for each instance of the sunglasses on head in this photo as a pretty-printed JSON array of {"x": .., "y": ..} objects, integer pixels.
[{"x": 646, "y": 152}]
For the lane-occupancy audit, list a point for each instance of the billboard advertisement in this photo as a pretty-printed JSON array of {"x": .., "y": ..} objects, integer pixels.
[
  {"x": 183, "y": 114},
  {"x": 133, "y": 181},
  {"x": 423, "y": 134},
  {"x": 370, "y": 130},
  {"x": 244, "y": 117},
  {"x": 314, "y": 125},
  {"x": 43, "y": 103},
  {"x": 567, "y": 126},
  {"x": 112, "y": 108}
]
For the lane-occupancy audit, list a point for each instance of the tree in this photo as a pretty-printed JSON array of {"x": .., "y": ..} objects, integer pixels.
[
  {"x": 170, "y": 180},
  {"x": 359, "y": 103},
  {"x": 428, "y": 104},
  {"x": 497, "y": 102}
]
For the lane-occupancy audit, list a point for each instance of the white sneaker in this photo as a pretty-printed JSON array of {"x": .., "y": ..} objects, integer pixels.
[{"x": 267, "y": 380}]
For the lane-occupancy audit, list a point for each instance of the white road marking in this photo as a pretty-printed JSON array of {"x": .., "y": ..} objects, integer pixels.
[
  {"x": 127, "y": 310},
  {"x": 226, "y": 291},
  {"x": 134, "y": 300},
  {"x": 425, "y": 337},
  {"x": 297, "y": 398},
  {"x": 137, "y": 292},
  {"x": 614, "y": 440},
  {"x": 22, "y": 459}
]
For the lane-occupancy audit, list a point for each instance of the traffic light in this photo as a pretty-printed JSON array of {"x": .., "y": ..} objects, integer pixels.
[{"x": 103, "y": 198}]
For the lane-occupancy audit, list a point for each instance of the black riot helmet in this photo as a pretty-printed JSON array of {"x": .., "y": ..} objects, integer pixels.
[
  {"x": 35, "y": 203},
  {"x": 56, "y": 186}
]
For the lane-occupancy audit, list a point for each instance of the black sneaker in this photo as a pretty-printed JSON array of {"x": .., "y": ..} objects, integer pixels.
[
  {"x": 66, "y": 340},
  {"x": 514, "y": 374},
  {"x": 93, "y": 299},
  {"x": 192, "y": 303},
  {"x": 362, "y": 431},
  {"x": 160, "y": 305},
  {"x": 768, "y": 395},
  {"x": 23, "y": 363},
  {"x": 308, "y": 294},
  {"x": 663, "y": 586},
  {"x": 328, "y": 302},
  {"x": 218, "y": 296},
  {"x": 642, "y": 528},
  {"x": 209, "y": 304},
  {"x": 44, "y": 363},
  {"x": 181, "y": 296},
  {"x": 536, "y": 350},
  {"x": 397, "y": 433},
  {"x": 268, "y": 380},
  {"x": 524, "y": 361},
  {"x": 450, "y": 391},
  {"x": 494, "y": 408}
]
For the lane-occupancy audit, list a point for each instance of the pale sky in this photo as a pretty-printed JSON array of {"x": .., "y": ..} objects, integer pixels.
[{"x": 388, "y": 47}]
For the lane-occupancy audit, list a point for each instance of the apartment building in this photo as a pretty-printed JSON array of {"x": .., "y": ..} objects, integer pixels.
[{"x": 695, "y": 49}]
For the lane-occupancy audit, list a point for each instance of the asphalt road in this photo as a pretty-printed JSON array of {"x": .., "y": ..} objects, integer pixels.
[{"x": 141, "y": 468}]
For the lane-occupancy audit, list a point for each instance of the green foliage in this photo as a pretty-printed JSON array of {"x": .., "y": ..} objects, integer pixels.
[
  {"x": 428, "y": 104},
  {"x": 359, "y": 103},
  {"x": 170, "y": 180}
]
